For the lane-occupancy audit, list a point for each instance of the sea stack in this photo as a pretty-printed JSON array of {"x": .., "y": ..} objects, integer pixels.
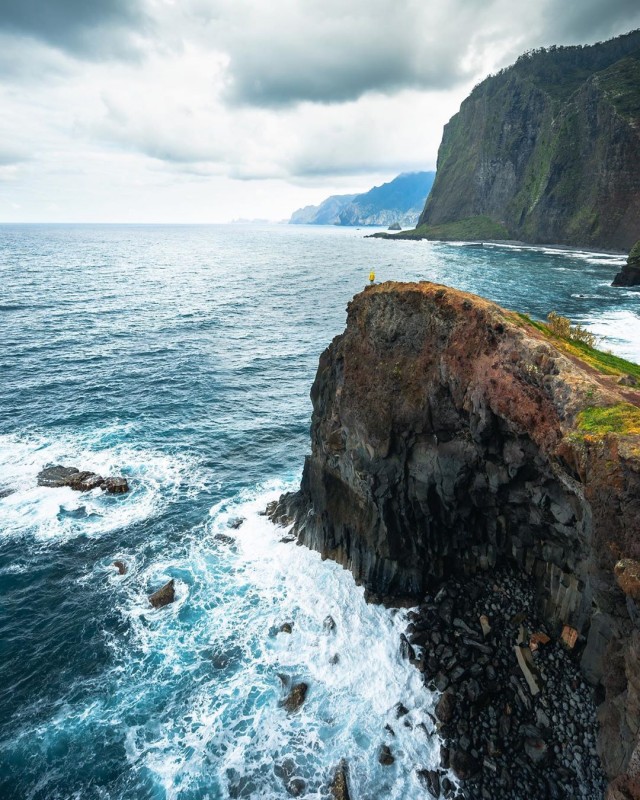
[
  {"x": 452, "y": 438},
  {"x": 629, "y": 275}
]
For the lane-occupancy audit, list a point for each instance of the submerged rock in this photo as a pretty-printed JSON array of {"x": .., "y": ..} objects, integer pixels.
[
  {"x": 286, "y": 627},
  {"x": 163, "y": 596},
  {"x": 235, "y": 523},
  {"x": 296, "y": 697},
  {"x": 121, "y": 567},
  {"x": 385, "y": 756},
  {"x": 6, "y": 492}
]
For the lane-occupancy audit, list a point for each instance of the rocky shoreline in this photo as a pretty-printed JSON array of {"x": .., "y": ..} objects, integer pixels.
[{"x": 511, "y": 727}]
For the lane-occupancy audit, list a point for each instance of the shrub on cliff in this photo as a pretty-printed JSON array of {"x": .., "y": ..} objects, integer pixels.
[{"x": 562, "y": 326}]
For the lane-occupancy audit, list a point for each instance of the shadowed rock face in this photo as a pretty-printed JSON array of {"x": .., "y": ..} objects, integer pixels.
[
  {"x": 629, "y": 275},
  {"x": 446, "y": 438}
]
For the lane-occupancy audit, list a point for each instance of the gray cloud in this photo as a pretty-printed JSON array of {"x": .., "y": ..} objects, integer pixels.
[
  {"x": 87, "y": 28},
  {"x": 589, "y": 20}
]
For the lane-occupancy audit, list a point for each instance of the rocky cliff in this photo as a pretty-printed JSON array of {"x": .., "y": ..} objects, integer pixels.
[
  {"x": 450, "y": 437},
  {"x": 548, "y": 150}
]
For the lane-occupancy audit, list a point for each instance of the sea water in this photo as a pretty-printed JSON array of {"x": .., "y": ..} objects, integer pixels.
[{"x": 182, "y": 357}]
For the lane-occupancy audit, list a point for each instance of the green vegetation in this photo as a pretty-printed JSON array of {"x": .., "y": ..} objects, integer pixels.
[
  {"x": 464, "y": 230},
  {"x": 621, "y": 418},
  {"x": 562, "y": 327},
  {"x": 606, "y": 363}
]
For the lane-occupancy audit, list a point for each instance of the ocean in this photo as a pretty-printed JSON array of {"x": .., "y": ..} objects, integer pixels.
[{"x": 182, "y": 358}]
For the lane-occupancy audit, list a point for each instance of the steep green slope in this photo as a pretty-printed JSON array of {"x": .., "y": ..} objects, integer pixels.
[{"x": 548, "y": 148}]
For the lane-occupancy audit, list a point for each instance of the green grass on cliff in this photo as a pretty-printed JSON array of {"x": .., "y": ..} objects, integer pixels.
[
  {"x": 464, "y": 230},
  {"x": 623, "y": 418},
  {"x": 606, "y": 363}
]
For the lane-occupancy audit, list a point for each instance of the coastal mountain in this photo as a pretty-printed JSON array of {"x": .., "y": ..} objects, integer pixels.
[
  {"x": 399, "y": 201},
  {"x": 546, "y": 151}
]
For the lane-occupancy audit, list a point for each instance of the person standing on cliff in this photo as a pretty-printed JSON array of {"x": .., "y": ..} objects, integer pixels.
[{"x": 372, "y": 277}]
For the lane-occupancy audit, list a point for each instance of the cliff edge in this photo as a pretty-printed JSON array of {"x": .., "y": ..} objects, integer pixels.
[{"x": 450, "y": 437}]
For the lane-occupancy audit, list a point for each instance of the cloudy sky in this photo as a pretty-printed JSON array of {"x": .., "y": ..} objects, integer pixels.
[{"x": 209, "y": 110}]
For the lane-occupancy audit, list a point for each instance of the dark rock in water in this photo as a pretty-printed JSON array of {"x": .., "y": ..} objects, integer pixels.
[
  {"x": 116, "y": 485},
  {"x": 335, "y": 658},
  {"x": 296, "y": 787},
  {"x": 6, "y": 493},
  {"x": 86, "y": 481},
  {"x": 164, "y": 595},
  {"x": 224, "y": 539},
  {"x": 340, "y": 784},
  {"x": 329, "y": 624},
  {"x": 629, "y": 275},
  {"x": 385, "y": 757},
  {"x": 463, "y": 764},
  {"x": 431, "y": 781},
  {"x": 283, "y": 511},
  {"x": 406, "y": 650},
  {"x": 286, "y": 627},
  {"x": 445, "y": 707},
  {"x": 235, "y": 523},
  {"x": 58, "y": 476},
  {"x": 401, "y": 710},
  {"x": 121, "y": 567},
  {"x": 296, "y": 697}
]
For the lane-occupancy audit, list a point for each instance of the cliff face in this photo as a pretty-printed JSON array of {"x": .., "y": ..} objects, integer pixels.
[
  {"x": 548, "y": 148},
  {"x": 449, "y": 435}
]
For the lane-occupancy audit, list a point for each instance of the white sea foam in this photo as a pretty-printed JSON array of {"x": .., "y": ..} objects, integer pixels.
[
  {"x": 51, "y": 514},
  {"x": 222, "y": 637}
]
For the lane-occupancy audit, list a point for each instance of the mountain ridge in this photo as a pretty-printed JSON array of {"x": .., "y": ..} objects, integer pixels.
[{"x": 399, "y": 200}]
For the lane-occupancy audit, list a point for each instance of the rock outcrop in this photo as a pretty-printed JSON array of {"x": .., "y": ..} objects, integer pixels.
[
  {"x": 82, "y": 481},
  {"x": 547, "y": 150},
  {"x": 629, "y": 275},
  {"x": 450, "y": 436}
]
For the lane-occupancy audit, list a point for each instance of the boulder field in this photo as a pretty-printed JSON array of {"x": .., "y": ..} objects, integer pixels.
[{"x": 453, "y": 440}]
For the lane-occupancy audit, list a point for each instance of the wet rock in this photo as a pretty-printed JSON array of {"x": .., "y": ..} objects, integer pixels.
[
  {"x": 340, "y": 784},
  {"x": 401, "y": 710},
  {"x": 335, "y": 658},
  {"x": 57, "y": 476},
  {"x": 121, "y": 567},
  {"x": 385, "y": 756},
  {"x": 296, "y": 697},
  {"x": 445, "y": 707},
  {"x": 406, "y": 650},
  {"x": 286, "y": 627},
  {"x": 430, "y": 779},
  {"x": 235, "y": 523},
  {"x": 295, "y": 787},
  {"x": 464, "y": 765},
  {"x": 163, "y": 596},
  {"x": 85, "y": 481},
  {"x": 116, "y": 485},
  {"x": 329, "y": 624},
  {"x": 6, "y": 492}
]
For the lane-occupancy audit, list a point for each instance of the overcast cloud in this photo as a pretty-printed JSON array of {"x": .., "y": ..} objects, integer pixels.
[{"x": 204, "y": 110}]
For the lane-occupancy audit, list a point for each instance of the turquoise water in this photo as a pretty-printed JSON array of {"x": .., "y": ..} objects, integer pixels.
[{"x": 182, "y": 357}]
